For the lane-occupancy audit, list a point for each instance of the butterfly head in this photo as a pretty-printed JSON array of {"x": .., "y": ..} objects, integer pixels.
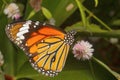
[{"x": 69, "y": 38}]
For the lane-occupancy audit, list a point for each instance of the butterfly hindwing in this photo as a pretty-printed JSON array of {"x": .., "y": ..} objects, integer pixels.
[
  {"x": 46, "y": 47},
  {"x": 50, "y": 56}
]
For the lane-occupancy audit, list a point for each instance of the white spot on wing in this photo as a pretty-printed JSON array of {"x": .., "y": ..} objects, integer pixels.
[
  {"x": 22, "y": 32},
  {"x": 29, "y": 21},
  {"x": 17, "y": 39},
  {"x": 24, "y": 28},
  {"x": 34, "y": 26},
  {"x": 37, "y": 23},
  {"x": 21, "y": 37}
]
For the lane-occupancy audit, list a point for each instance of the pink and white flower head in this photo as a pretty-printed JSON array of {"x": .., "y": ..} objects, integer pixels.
[
  {"x": 11, "y": 10},
  {"x": 16, "y": 16},
  {"x": 83, "y": 50}
]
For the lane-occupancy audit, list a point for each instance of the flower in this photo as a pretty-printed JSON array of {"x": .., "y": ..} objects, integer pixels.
[
  {"x": 1, "y": 59},
  {"x": 11, "y": 10},
  {"x": 83, "y": 50},
  {"x": 16, "y": 16},
  {"x": 36, "y": 4}
]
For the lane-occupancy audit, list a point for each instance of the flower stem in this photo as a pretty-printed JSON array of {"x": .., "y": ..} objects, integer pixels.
[{"x": 92, "y": 70}]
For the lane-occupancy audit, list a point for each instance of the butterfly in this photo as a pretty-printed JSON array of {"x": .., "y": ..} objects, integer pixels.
[{"x": 46, "y": 47}]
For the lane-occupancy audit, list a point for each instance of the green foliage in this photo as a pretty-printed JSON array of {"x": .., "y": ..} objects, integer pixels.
[
  {"x": 96, "y": 3},
  {"x": 47, "y": 13},
  {"x": 16, "y": 62}
]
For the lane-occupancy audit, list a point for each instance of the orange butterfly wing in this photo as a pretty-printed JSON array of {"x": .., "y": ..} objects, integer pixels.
[
  {"x": 46, "y": 46},
  {"x": 42, "y": 33}
]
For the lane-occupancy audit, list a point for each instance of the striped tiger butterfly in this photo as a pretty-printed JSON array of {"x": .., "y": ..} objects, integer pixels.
[{"x": 46, "y": 46}]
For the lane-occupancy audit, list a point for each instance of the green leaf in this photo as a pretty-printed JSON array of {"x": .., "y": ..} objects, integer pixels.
[
  {"x": 46, "y": 13},
  {"x": 32, "y": 13},
  {"x": 116, "y": 22},
  {"x": 58, "y": 9},
  {"x": 59, "y": 13},
  {"x": 6, "y": 47},
  {"x": 80, "y": 69},
  {"x": 90, "y": 28},
  {"x": 93, "y": 30},
  {"x": 96, "y": 3}
]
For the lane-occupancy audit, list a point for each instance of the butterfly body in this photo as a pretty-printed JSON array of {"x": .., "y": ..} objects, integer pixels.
[{"x": 46, "y": 46}]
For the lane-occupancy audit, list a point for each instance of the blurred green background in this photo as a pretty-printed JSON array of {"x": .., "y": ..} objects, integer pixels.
[{"x": 97, "y": 21}]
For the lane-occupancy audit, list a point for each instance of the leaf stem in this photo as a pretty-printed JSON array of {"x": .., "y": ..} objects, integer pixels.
[
  {"x": 81, "y": 9},
  {"x": 107, "y": 68},
  {"x": 100, "y": 21}
]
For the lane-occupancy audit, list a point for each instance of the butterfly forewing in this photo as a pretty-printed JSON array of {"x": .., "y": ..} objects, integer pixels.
[
  {"x": 12, "y": 30},
  {"x": 46, "y": 47}
]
